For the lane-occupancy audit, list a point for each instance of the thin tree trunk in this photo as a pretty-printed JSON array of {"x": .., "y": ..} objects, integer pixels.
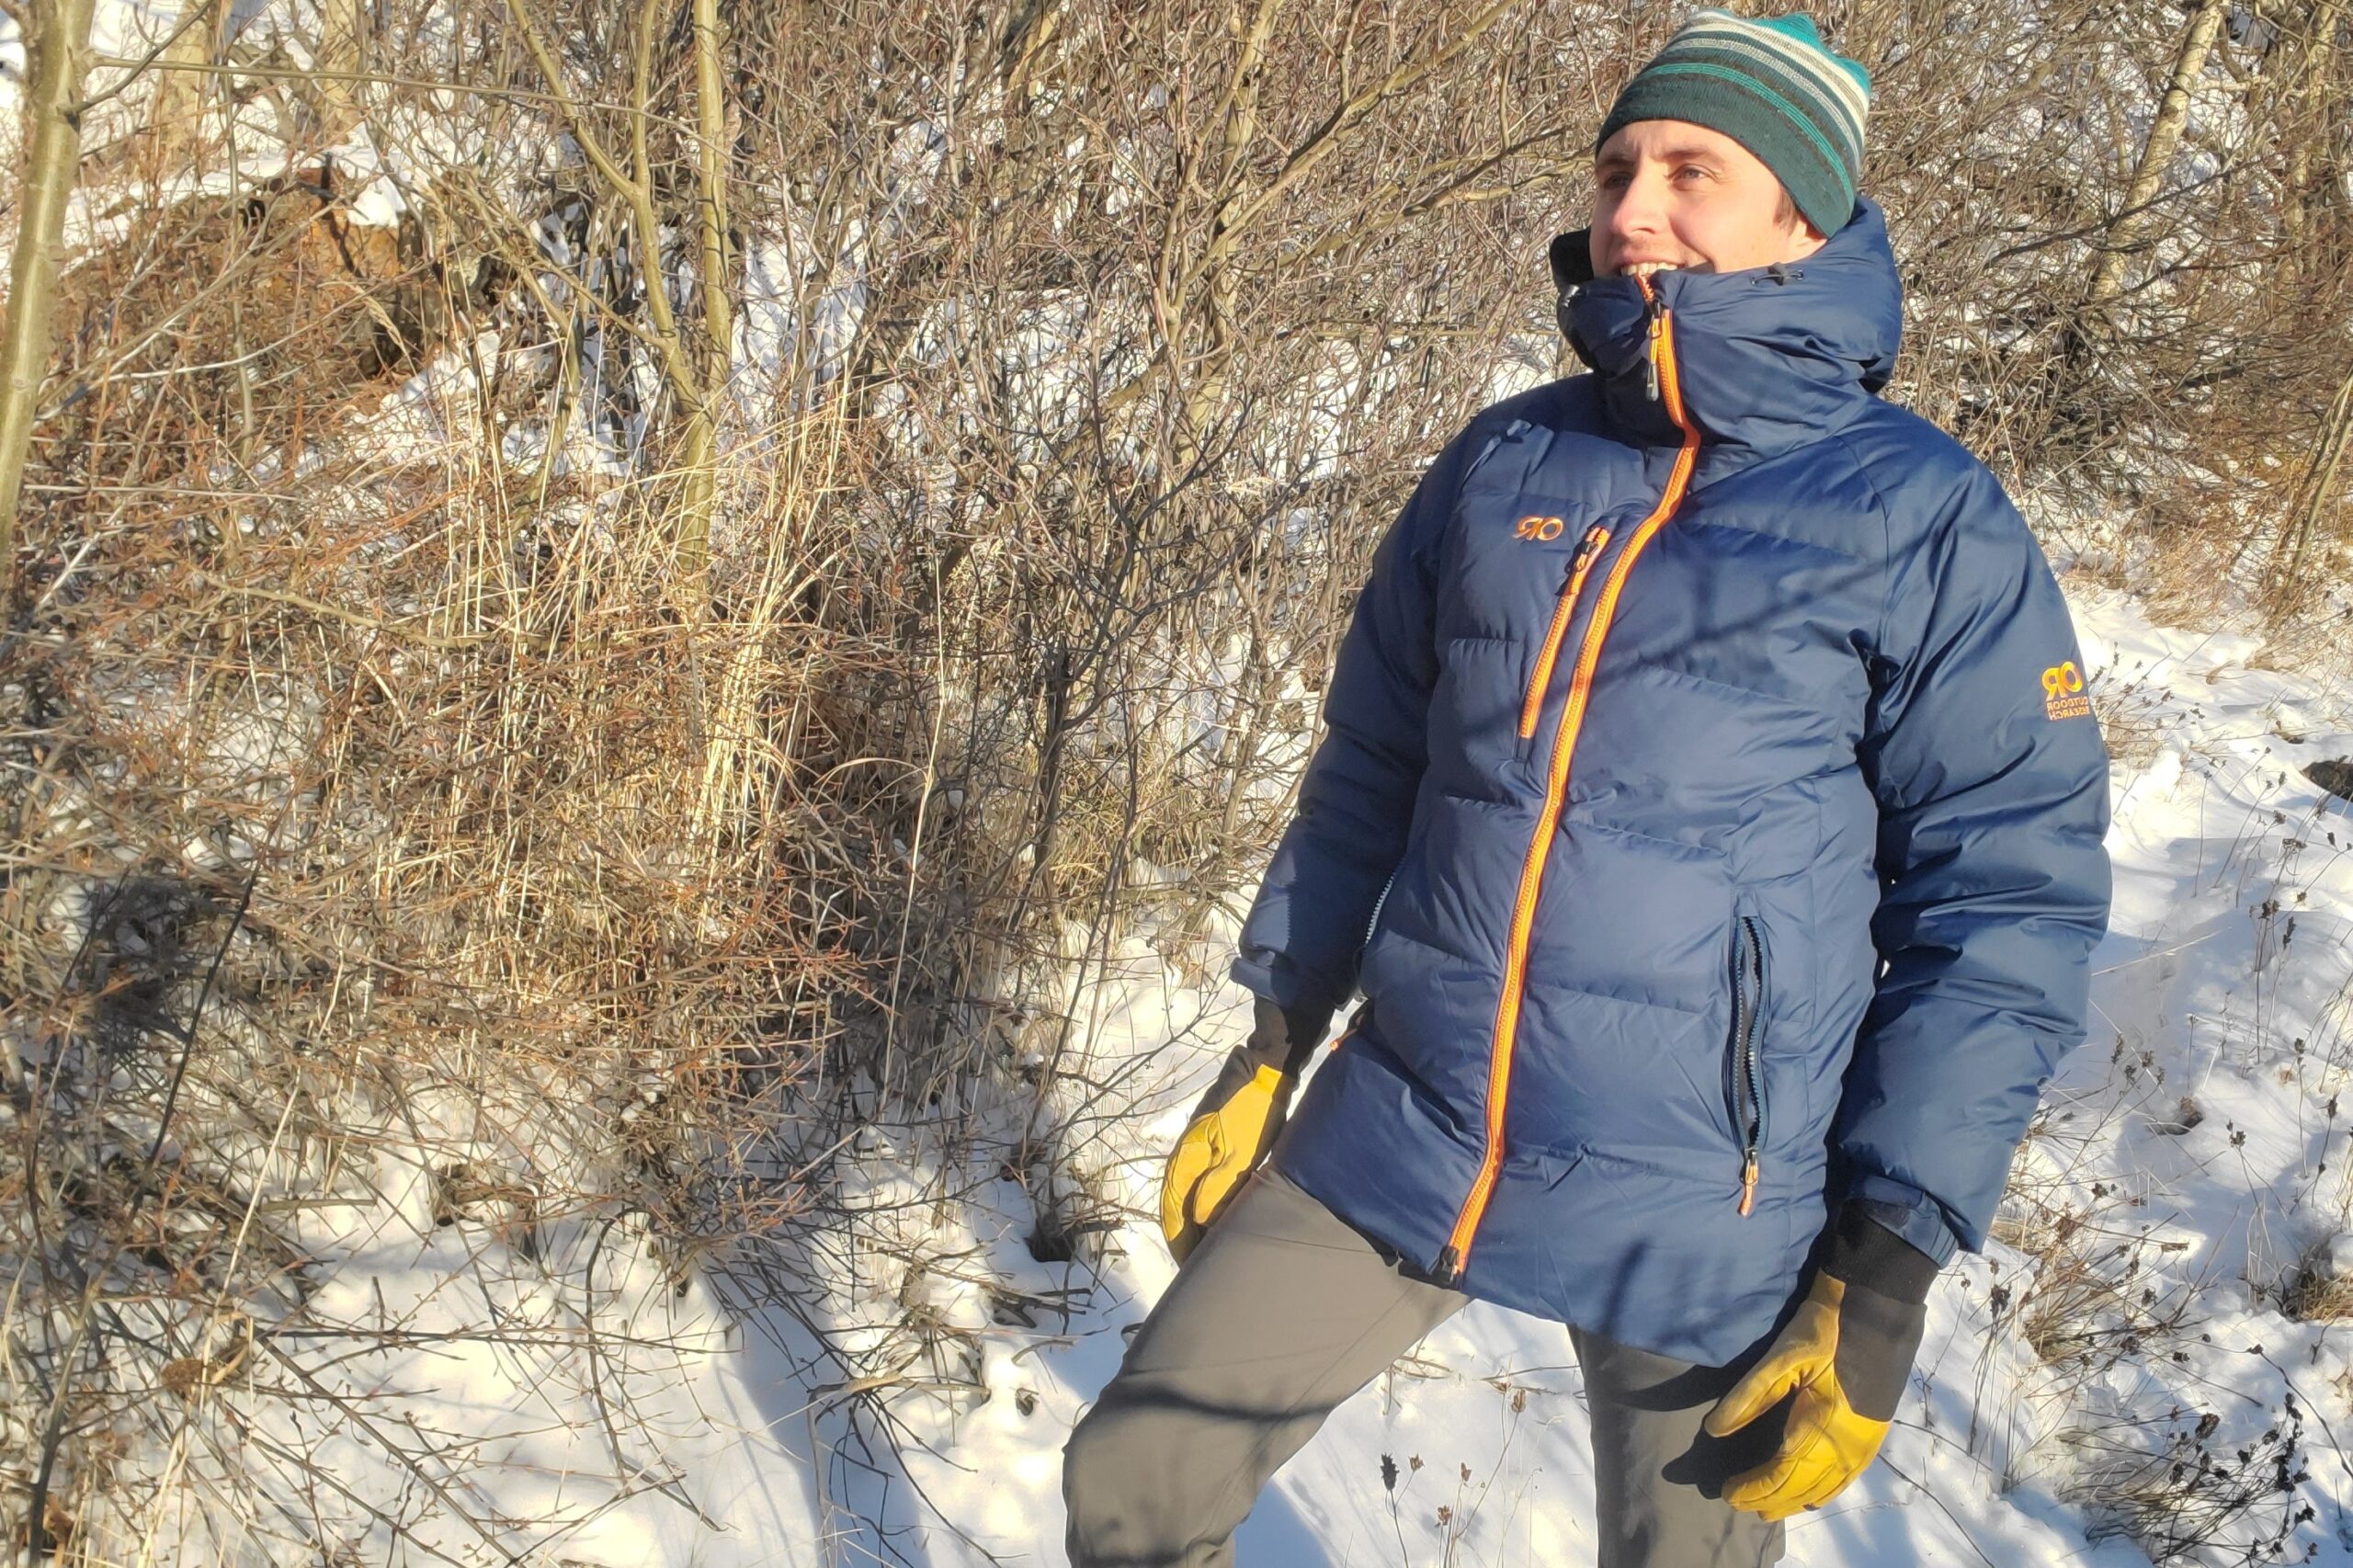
[
  {"x": 2156, "y": 153},
  {"x": 1239, "y": 114},
  {"x": 61, "y": 51},
  {"x": 675, "y": 353},
  {"x": 711, "y": 116},
  {"x": 178, "y": 116},
  {"x": 2308, "y": 502},
  {"x": 718, "y": 319},
  {"x": 2313, "y": 104},
  {"x": 340, "y": 36},
  {"x": 688, "y": 388}
]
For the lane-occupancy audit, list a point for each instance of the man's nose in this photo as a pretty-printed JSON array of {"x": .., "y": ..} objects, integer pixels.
[{"x": 1641, "y": 212}]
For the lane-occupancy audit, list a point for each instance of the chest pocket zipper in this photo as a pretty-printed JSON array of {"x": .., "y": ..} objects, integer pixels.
[
  {"x": 1531, "y": 708},
  {"x": 1750, "y": 972}
]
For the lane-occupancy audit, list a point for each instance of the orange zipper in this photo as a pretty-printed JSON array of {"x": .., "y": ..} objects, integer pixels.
[
  {"x": 1457, "y": 1251},
  {"x": 1588, "y": 551},
  {"x": 1356, "y": 1021}
]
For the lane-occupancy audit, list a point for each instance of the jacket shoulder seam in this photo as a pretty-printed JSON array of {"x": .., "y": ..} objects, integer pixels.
[{"x": 1887, "y": 536}]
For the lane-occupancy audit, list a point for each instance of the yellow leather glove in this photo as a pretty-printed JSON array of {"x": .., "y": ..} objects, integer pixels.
[
  {"x": 1237, "y": 1121},
  {"x": 1223, "y": 1146},
  {"x": 1846, "y": 1354}
]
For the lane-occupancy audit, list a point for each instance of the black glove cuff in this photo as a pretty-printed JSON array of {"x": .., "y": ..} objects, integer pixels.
[
  {"x": 1285, "y": 1038},
  {"x": 1864, "y": 1253},
  {"x": 1878, "y": 1338},
  {"x": 1282, "y": 1039}
]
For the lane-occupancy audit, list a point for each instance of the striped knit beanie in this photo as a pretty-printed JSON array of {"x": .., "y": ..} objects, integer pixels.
[{"x": 1774, "y": 88}]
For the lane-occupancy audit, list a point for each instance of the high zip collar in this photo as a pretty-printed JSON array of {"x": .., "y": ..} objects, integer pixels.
[{"x": 1771, "y": 356}]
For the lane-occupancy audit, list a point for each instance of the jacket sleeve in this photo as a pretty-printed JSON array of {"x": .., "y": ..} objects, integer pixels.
[
  {"x": 1991, "y": 782},
  {"x": 1300, "y": 945}
]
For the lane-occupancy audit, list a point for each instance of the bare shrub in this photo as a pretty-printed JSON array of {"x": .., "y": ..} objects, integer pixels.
[
  {"x": 2181, "y": 1497},
  {"x": 2316, "y": 1290},
  {"x": 2087, "y": 1305}
]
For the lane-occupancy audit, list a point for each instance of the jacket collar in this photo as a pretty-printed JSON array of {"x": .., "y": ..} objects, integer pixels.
[{"x": 1769, "y": 358}]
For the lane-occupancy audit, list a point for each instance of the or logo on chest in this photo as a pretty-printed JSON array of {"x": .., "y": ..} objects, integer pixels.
[{"x": 1535, "y": 527}]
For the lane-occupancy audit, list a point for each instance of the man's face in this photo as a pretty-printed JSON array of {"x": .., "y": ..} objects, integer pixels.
[{"x": 1668, "y": 193}]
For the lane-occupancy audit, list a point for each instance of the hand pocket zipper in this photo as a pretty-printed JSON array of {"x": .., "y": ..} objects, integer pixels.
[{"x": 1750, "y": 973}]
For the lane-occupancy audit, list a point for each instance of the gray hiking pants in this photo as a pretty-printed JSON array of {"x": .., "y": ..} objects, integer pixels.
[{"x": 1283, "y": 1312}]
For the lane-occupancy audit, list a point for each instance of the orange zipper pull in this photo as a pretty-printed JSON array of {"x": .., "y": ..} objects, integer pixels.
[
  {"x": 1747, "y": 1182},
  {"x": 1658, "y": 326},
  {"x": 1587, "y": 547}
]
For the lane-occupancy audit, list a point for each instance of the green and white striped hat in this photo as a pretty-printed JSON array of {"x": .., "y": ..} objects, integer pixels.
[{"x": 1774, "y": 87}]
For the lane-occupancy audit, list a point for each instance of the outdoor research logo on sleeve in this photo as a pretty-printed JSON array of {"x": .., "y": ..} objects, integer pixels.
[{"x": 2063, "y": 692}]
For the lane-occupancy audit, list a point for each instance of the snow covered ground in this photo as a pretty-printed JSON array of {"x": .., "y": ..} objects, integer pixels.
[
  {"x": 2123, "y": 1355},
  {"x": 2161, "y": 1251}
]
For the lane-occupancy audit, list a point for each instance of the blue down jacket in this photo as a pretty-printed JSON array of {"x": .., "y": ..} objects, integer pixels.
[{"x": 1710, "y": 812}]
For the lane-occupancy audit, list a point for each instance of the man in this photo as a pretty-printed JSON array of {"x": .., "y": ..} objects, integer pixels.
[{"x": 1712, "y": 817}]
